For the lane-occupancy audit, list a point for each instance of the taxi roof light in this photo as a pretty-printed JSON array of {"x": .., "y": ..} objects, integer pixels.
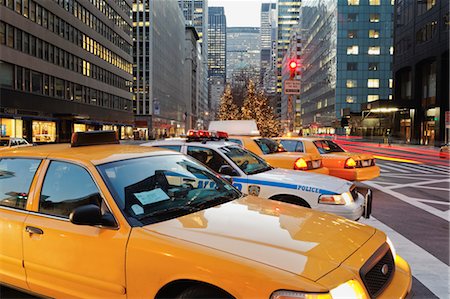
[{"x": 94, "y": 138}]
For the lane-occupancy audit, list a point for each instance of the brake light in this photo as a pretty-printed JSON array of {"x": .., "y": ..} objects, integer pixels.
[
  {"x": 300, "y": 164},
  {"x": 350, "y": 163}
]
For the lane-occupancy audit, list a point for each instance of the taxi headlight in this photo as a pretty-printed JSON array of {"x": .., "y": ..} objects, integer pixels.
[
  {"x": 338, "y": 199},
  {"x": 351, "y": 289},
  {"x": 299, "y": 295}
]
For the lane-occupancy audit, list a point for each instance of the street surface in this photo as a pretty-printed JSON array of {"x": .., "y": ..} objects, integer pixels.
[{"x": 411, "y": 205}]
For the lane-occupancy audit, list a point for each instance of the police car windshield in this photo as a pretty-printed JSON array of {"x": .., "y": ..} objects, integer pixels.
[
  {"x": 327, "y": 146},
  {"x": 154, "y": 189},
  {"x": 245, "y": 160}
]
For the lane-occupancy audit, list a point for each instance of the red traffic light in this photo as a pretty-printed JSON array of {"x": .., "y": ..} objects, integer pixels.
[{"x": 293, "y": 65}]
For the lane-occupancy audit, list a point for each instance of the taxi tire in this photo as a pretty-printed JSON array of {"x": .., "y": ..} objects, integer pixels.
[
  {"x": 201, "y": 292},
  {"x": 292, "y": 200}
]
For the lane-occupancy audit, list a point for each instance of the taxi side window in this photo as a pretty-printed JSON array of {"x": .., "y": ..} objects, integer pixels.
[
  {"x": 207, "y": 156},
  {"x": 292, "y": 145},
  {"x": 176, "y": 148},
  {"x": 66, "y": 187},
  {"x": 16, "y": 176},
  {"x": 237, "y": 141}
]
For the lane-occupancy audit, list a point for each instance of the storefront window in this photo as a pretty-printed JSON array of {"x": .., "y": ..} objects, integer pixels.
[
  {"x": 11, "y": 127},
  {"x": 44, "y": 131},
  {"x": 79, "y": 127}
]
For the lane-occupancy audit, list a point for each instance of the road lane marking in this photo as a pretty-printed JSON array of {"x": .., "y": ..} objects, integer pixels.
[
  {"x": 445, "y": 203},
  {"x": 417, "y": 184},
  {"x": 438, "y": 168},
  {"x": 410, "y": 200},
  {"x": 425, "y": 267},
  {"x": 416, "y": 168},
  {"x": 396, "y": 159},
  {"x": 432, "y": 188},
  {"x": 393, "y": 168}
]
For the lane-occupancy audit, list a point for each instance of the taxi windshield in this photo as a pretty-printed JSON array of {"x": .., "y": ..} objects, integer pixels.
[
  {"x": 327, "y": 146},
  {"x": 245, "y": 160},
  {"x": 154, "y": 189}
]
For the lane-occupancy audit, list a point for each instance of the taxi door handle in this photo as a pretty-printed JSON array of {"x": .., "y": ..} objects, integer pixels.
[{"x": 34, "y": 230}]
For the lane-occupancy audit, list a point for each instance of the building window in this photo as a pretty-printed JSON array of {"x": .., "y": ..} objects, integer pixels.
[
  {"x": 352, "y": 17},
  {"x": 373, "y": 66},
  {"x": 374, "y": 2},
  {"x": 373, "y": 97},
  {"x": 374, "y": 18},
  {"x": 374, "y": 33},
  {"x": 44, "y": 131},
  {"x": 351, "y": 83},
  {"x": 36, "y": 82},
  {"x": 391, "y": 50},
  {"x": 353, "y": 2},
  {"x": 352, "y": 50},
  {"x": 374, "y": 51},
  {"x": 373, "y": 83},
  {"x": 352, "y": 34},
  {"x": 391, "y": 83},
  {"x": 350, "y": 99},
  {"x": 10, "y": 36},
  {"x": 6, "y": 74},
  {"x": 2, "y": 33},
  {"x": 352, "y": 66}
]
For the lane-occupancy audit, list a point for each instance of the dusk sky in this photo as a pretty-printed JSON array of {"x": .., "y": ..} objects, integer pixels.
[{"x": 244, "y": 13}]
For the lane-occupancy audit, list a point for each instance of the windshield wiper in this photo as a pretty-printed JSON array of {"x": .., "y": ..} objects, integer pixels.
[{"x": 264, "y": 169}]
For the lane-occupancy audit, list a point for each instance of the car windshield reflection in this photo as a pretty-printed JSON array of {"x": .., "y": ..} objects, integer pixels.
[
  {"x": 327, "y": 146},
  {"x": 154, "y": 189},
  {"x": 245, "y": 160}
]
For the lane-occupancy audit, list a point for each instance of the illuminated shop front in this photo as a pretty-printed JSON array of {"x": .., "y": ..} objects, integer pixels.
[
  {"x": 11, "y": 127},
  {"x": 163, "y": 128},
  {"x": 43, "y": 131}
]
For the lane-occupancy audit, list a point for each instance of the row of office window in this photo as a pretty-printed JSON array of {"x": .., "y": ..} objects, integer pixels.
[
  {"x": 48, "y": 20},
  {"x": 354, "y": 17},
  {"x": 41, "y": 16},
  {"x": 371, "y": 83},
  {"x": 371, "y": 66},
  {"x": 372, "y": 33},
  {"x": 372, "y": 50},
  {"x": 103, "y": 6},
  {"x": 370, "y": 98},
  {"x": 371, "y": 2},
  {"x": 31, "y": 45},
  {"x": 24, "y": 79}
]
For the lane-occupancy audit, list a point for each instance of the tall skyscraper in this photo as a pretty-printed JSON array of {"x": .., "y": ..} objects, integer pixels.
[
  {"x": 243, "y": 52},
  {"x": 159, "y": 56},
  {"x": 288, "y": 18},
  {"x": 217, "y": 60},
  {"x": 196, "y": 14},
  {"x": 346, "y": 58},
  {"x": 268, "y": 36},
  {"x": 421, "y": 71},
  {"x": 64, "y": 68},
  {"x": 217, "y": 42}
]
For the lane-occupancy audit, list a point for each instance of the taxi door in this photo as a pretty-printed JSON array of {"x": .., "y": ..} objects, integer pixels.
[
  {"x": 16, "y": 177},
  {"x": 66, "y": 260}
]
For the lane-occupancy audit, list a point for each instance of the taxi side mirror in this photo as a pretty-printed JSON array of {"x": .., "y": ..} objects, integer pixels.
[
  {"x": 86, "y": 215},
  {"x": 227, "y": 170}
]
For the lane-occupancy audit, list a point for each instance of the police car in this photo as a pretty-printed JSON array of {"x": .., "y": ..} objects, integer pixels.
[{"x": 251, "y": 174}]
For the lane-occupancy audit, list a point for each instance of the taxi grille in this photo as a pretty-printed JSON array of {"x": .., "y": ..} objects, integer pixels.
[{"x": 378, "y": 271}]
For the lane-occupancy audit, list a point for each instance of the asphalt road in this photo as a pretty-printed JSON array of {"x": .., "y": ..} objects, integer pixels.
[{"x": 411, "y": 205}]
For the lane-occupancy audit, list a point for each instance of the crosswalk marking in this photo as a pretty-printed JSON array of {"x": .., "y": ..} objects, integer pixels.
[
  {"x": 393, "y": 168},
  {"x": 413, "y": 168},
  {"x": 420, "y": 260}
]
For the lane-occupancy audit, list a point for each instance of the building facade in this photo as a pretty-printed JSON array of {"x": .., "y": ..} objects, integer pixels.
[
  {"x": 288, "y": 18},
  {"x": 243, "y": 53},
  {"x": 421, "y": 71},
  {"x": 196, "y": 14},
  {"x": 268, "y": 37},
  {"x": 159, "y": 57},
  {"x": 346, "y": 59},
  {"x": 192, "y": 76},
  {"x": 65, "y": 66}
]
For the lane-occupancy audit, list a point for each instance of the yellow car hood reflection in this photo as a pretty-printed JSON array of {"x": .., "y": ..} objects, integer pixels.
[{"x": 280, "y": 235}]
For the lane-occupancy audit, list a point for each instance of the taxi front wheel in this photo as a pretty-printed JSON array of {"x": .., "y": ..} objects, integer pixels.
[{"x": 201, "y": 292}]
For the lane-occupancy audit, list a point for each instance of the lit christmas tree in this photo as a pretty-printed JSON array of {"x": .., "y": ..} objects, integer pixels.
[
  {"x": 228, "y": 109},
  {"x": 256, "y": 106}
]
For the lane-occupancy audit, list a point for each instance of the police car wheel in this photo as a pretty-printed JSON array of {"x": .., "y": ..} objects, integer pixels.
[{"x": 292, "y": 200}]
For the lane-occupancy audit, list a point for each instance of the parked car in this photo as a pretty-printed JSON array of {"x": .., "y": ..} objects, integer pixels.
[
  {"x": 252, "y": 175},
  {"x": 245, "y": 133},
  {"x": 7, "y": 142},
  {"x": 123, "y": 221},
  {"x": 340, "y": 163}
]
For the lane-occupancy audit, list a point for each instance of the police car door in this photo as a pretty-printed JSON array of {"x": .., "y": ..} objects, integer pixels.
[{"x": 217, "y": 162}]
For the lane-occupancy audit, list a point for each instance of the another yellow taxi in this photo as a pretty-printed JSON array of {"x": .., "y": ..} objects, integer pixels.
[
  {"x": 444, "y": 151},
  {"x": 123, "y": 221},
  {"x": 274, "y": 153},
  {"x": 340, "y": 163}
]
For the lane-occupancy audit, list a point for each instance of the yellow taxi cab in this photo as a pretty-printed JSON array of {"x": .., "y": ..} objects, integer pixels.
[
  {"x": 444, "y": 151},
  {"x": 99, "y": 220},
  {"x": 340, "y": 163}
]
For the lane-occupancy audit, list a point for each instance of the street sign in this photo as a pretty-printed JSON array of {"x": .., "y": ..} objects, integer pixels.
[{"x": 292, "y": 87}]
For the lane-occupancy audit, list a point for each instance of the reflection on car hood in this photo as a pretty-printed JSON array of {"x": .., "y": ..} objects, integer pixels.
[
  {"x": 284, "y": 236},
  {"x": 345, "y": 155},
  {"x": 303, "y": 178}
]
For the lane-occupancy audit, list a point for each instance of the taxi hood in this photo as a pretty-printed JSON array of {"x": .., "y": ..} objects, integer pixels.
[
  {"x": 355, "y": 156},
  {"x": 304, "y": 180},
  {"x": 287, "y": 237}
]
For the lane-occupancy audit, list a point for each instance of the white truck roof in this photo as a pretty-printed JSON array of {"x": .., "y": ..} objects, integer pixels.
[{"x": 235, "y": 127}]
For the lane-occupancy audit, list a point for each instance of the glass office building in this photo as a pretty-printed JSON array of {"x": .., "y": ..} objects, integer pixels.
[
  {"x": 346, "y": 58},
  {"x": 65, "y": 66}
]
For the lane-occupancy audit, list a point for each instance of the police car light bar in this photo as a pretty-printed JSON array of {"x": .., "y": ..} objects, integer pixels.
[
  {"x": 203, "y": 135},
  {"x": 94, "y": 138}
]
